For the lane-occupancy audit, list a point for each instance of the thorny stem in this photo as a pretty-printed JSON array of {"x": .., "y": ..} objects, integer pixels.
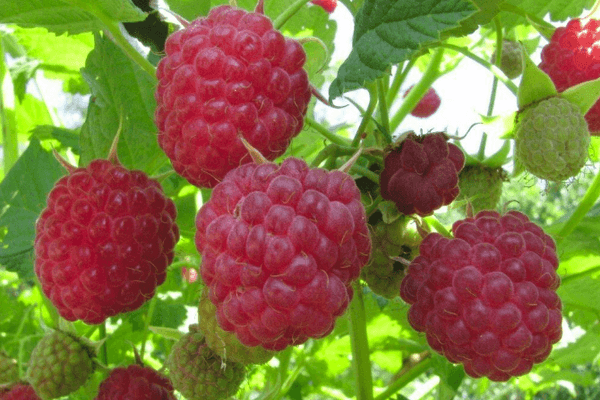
[
  {"x": 372, "y": 88},
  {"x": 481, "y": 152},
  {"x": 419, "y": 90},
  {"x": 151, "y": 309},
  {"x": 495, "y": 70},
  {"x": 360, "y": 346},
  {"x": 405, "y": 379},
  {"x": 589, "y": 199},
  {"x": 384, "y": 112},
  {"x": 398, "y": 81},
  {"x": 288, "y": 13},
  {"x": 332, "y": 137}
]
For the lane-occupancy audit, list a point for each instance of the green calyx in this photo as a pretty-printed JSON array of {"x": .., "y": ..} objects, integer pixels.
[
  {"x": 552, "y": 139},
  {"x": 224, "y": 343},
  {"x": 59, "y": 365},
  {"x": 383, "y": 274},
  {"x": 199, "y": 373},
  {"x": 481, "y": 186}
]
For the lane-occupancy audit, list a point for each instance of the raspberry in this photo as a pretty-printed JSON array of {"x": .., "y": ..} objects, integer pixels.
[
  {"x": 226, "y": 75},
  {"x": 573, "y": 57},
  {"x": 481, "y": 185},
  {"x": 20, "y": 391},
  {"x": 280, "y": 248},
  {"x": 511, "y": 62},
  {"x": 427, "y": 106},
  {"x": 223, "y": 343},
  {"x": 487, "y": 298},
  {"x": 327, "y": 5},
  {"x": 421, "y": 174},
  {"x": 104, "y": 241},
  {"x": 60, "y": 364},
  {"x": 382, "y": 274},
  {"x": 199, "y": 373},
  {"x": 9, "y": 371},
  {"x": 552, "y": 139},
  {"x": 135, "y": 383}
]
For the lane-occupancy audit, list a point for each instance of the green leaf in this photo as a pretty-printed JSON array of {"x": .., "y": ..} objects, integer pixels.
[
  {"x": 120, "y": 90},
  {"x": 21, "y": 72},
  {"x": 66, "y": 137},
  {"x": 72, "y": 16},
  {"x": 390, "y": 31},
  {"x": 22, "y": 198},
  {"x": 190, "y": 9},
  {"x": 487, "y": 10},
  {"x": 559, "y": 10}
]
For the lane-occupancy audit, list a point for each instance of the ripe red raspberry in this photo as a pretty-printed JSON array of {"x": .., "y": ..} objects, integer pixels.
[
  {"x": 20, "y": 391},
  {"x": 135, "y": 383},
  {"x": 427, "y": 106},
  {"x": 104, "y": 241},
  {"x": 487, "y": 298},
  {"x": 327, "y": 5},
  {"x": 421, "y": 175},
  {"x": 280, "y": 247},
  {"x": 573, "y": 57},
  {"x": 226, "y": 75}
]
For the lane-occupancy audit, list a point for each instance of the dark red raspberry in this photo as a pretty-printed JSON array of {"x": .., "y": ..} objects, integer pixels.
[
  {"x": 226, "y": 75},
  {"x": 573, "y": 57},
  {"x": 487, "y": 298},
  {"x": 421, "y": 175},
  {"x": 427, "y": 106},
  {"x": 327, "y": 5},
  {"x": 104, "y": 241},
  {"x": 19, "y": 391},
  {"x": 135, "y": 383},
  {"x": 280, "y": 247}
]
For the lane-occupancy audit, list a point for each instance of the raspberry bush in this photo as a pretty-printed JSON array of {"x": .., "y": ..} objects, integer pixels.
[{"x": 270, "y": 225}]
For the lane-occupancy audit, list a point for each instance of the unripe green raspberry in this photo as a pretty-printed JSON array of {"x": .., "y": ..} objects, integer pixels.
[
  {"x": 199, "y": 373},
  {"x": 482, "y": 186},
  {"x": 9, "y": 371},
  {"x": 511, "y": 62},
  {"x": 224, "y": 343},
  {"x": 59, "y": 365},
  {"x": 382, "y": 274},
  {"x": 552, "y": 139}
]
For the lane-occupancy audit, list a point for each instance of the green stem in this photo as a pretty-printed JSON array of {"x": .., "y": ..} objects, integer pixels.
[
  {"x": 373, "y": 206},
  {"x": 498, "y": 61},
  {"x": 367, "y": 173},
  {"x": 384, "y": 112},
  {"x": 438, "y": 226},
  {"x": 360, "y": 346},
  {"x": 288, "y": 13},
  {"x": 103, "y": 350},
  {"x": 291, "y": 378},
  {"x": 398, "y": 81},
  {"x": 589, "y": 199},
  {"x": 419, "y": 90},
  {"x": 151, "y": 309},
  {"x": 120, "y": 40},
  {"x": 405, "y": 379},
  {"x": 495, "y": 70},
  {"x": 372, "y": 88},
  {"x": 332, "y": 137}
]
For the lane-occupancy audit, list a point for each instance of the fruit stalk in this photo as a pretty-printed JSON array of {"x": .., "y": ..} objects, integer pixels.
[
  {"x": 384, "y": 112},
  {"x": 589, "y": 199},
  {"x": 419, "y": 90},
  {"x": 399, "y": 80},
  {"x": 366, "y": 115},
  {"x": 103, "y": 350},
  {"x": 360, "y": 346},
  {"x": 151, "y": 309},
  {"x": 9, "y": 135},
  {"x": 288, "y": 13},
  {"x": 405, "y": 379},
  {"x": 325, "y": 132}
]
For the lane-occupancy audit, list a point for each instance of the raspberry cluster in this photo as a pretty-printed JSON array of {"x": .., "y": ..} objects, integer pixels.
[
  {"x": 226, "y": 75},
  {"x": 487, "y": 298},
  {"x": 104, "y": 241},
  {"x": 421, "y": 175},
  {"x": 573, "y": 57},
  {"x": 280, "y": 247}
]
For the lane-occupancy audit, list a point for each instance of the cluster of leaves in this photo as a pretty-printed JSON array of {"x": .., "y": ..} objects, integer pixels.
[{"x": 77, "y": 43}]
